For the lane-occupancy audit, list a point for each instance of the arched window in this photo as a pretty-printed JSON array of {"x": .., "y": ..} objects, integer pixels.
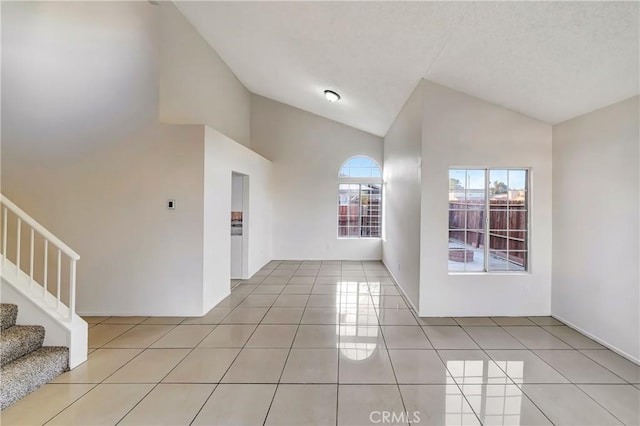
[
  {"x": 360, "y": 199},
  {"x": 360, "y": 167}
]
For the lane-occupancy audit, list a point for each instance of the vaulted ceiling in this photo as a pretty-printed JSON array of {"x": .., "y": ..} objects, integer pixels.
[{"x": 549, "y": 60}]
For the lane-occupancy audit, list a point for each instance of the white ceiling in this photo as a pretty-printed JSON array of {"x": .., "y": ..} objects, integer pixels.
[{"x": 549, "y": 60}]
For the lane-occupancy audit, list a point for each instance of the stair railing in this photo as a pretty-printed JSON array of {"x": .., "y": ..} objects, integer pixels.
[{"x": 60, "y": 250}]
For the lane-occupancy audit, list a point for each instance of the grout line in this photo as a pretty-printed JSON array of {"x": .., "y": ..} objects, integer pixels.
[
  {"x": 195, "y": 416},
  {"x": 137, "y": 403},
  {"x": 420, "y": 326},
  {"x": 237, "y": 355},
  {"x": 234, "y": 359},
  {"x": 275, "y": 392},
  {"x": 355, "y": 275},
  {"x": 339, "y": 338},
  {"x": 72, "y": 402},
  {"x": 507, "y": 375},
  {"x": 170, "y": 370},
  {"x": 182, "y": 359},
  {"x": 577, "y": 385},
  {"x": 393, "y": 370},
  {"x": 115, "y": 337},
  {"x": 455, "y": 382},
  {"x": 174, "y": 367},
  {"x": 572, "y": 348},
  {"x": 604, "y": 366}
]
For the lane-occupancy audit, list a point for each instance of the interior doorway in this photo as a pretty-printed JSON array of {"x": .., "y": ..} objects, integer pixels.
[{"x": 239, "y": 228}]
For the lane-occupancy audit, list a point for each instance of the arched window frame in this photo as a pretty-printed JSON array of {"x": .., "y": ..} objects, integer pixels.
[
  {"x": 369, "y": 225},
  {"x": 357, "y": 179}
]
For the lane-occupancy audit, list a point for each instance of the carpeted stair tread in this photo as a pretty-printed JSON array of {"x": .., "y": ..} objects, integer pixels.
[
  {"x": 28, "y": 373},
  {"x": 19, "y": 340},
  {"x": 8, "y": 315}
]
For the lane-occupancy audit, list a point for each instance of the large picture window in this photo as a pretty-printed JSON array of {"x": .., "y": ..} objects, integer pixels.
[
  {"x": 360, "y": 199},
  {"x": 488, "y": 220}
]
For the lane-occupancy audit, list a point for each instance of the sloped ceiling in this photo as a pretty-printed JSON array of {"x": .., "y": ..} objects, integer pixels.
[{"x": 549, "y": 60}]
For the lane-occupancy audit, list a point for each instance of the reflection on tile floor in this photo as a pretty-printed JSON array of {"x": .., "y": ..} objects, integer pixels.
[{"x": 335, "y": 343}]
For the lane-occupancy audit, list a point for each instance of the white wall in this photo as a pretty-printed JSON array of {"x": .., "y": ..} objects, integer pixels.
[
  {"x": 137, "y": 257},
  {"x": 76, "y": 77},
  {"x": 596, "y": 284},
  {"x": 307, "y": 152},
  {"x": 196, "y": 86},
  {"x": 462, "y": 131},
  {"x": 236, "y": 192},
  {"x": 222, "y": 157},
  {"x": 83, "y": 152},
  {"x": 402, "y": 194}
]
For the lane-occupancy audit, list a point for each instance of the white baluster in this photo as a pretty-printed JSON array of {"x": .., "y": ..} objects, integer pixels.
[
  {"x": 18, "y": 246},
  {"x": 46, "y": 268},
  {"x": 58, "y": 286},
  {"x": 48, "y": 239},
  {"x": 4, "y": 236},
  {"x": 72, "y": 289},
  {"x": 31, "y": 259}
]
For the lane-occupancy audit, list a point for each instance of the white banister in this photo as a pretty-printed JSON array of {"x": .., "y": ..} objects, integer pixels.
[
  {"x": 39, "y": 228},
  {"x": 23, "y": 285},
  {"x": 33, "y": 285}
]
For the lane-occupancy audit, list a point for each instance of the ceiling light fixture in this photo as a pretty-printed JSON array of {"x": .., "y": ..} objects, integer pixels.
[{"x": 331, "y": 96}]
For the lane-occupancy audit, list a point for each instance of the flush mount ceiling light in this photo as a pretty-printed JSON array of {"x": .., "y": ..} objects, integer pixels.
[{"x": 331, "y": 96}]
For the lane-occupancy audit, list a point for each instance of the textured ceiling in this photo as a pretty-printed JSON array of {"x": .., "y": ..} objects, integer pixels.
[{"x": 549, "y": 60}]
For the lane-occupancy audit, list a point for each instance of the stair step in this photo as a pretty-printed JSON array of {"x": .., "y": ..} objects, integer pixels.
[
  {"x": 19, "y": 340},
  {"x": 8, "y": 315},
  {"x": 28, "y": 373}
]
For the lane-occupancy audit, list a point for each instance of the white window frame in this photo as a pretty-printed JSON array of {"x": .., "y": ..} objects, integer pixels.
[
  {"x": 359, "y": 181},
  {"x": 486, "y": 228}
]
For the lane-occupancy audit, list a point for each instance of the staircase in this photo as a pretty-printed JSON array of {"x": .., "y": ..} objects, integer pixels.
[
  {"x": 26, "y": 364},
  {"x": 37, "y": 273}
]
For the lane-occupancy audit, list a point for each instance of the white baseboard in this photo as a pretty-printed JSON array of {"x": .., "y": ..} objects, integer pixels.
[
  {"x": 604, "y": 343},
  {"x": 142, "y": 313},
  {"x": 133, "y": 314},
  {"x": 599, "y": 340},
  {"x": 401, "y": 289}
]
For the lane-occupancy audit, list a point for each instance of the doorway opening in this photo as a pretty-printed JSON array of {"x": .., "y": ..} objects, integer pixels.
[{"x": 239, "y": 228}]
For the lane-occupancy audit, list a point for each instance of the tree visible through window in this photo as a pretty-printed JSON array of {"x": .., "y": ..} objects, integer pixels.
[
  {"x": 360, "y": 199},
  {"x": 488, "y": 220}
]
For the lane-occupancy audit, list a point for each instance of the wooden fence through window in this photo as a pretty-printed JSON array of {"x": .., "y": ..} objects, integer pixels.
[
  {"x": 359, "y": 221},
  {"x": 507, "y": 227}
]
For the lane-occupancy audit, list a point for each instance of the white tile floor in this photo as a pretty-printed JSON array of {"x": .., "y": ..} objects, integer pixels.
[{"x": 335, "y": 343}]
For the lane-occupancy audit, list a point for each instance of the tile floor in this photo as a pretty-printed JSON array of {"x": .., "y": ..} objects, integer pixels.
[{"x": 335, "y": 343}]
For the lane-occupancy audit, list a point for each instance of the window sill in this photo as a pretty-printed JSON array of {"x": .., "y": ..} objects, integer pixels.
[
  {"x": 506, "y": 273},
  {"x": 359, "y": 238}
]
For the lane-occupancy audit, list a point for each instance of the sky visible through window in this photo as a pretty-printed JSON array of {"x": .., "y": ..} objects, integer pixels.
[
  {"x": 360, "y": 167},
  {"x": 475, "y": 179}
]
